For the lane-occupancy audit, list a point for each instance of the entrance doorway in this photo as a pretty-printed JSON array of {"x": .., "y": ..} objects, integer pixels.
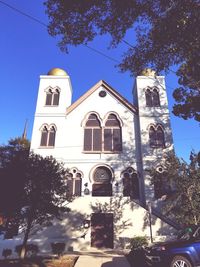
[{"x": 102, "y": 230}]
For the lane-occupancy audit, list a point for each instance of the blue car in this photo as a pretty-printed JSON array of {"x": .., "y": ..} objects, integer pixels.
[{"x": 182, "y": 252}]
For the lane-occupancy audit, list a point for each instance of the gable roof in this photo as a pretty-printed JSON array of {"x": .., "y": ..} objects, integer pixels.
[{"x": 109, "y": 89}]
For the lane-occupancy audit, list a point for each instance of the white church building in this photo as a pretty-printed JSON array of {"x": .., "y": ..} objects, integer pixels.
[{"x": 108, "y": 145}]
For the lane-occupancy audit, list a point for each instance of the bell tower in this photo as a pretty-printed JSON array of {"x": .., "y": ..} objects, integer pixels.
[
  {"x": 54, "y": 96},
  {"x": 154, "y": 135}
]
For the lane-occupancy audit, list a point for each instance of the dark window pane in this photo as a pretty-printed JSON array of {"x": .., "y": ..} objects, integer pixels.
[
  {"x": 112, "y": 121},
  {"x": 148, "y": 98},
  {"x": 152, "y": 137},
  {"x": 44, "y": 138},
  {"x": 78, "y": 187},
  {"x": 70, "y": 186},
  {"x": 56, "y": 98},
  {"x": 93, "y": 121},
  {"x": 102, "y": 190},
  {"x": 48, "y": 99},
  {"x": 97, "y": 139},
  {"x": 52, "y": 135},
  {"x": 87, "y": 139},
  {"x": 117, "y": 140},
  {"x": 107, "y": 139},
  {"x": 155, "y": 98},
  {"x": 102, "y": 175},
  {"x": 126, "y": 187},
  {"x": 160, "y": 137},
  {"x": 135, "y": 185}
]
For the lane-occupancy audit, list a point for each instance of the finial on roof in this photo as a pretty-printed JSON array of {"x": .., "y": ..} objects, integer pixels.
[
  {"x": 148, "y": 72},
  {"x": 57, "y": 72}
]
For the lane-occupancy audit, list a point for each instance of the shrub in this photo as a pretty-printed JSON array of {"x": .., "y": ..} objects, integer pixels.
[
  {"x": 6, "y": 252},
  {"x": 138, "y": 242},
  {"x": 31, "y": 250},
  {"x": 58, "y": 248}
]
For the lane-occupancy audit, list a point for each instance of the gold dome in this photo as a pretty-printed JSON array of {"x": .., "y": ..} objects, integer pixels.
[
  {"x": 57, "y": 72},
  {"x": 148, "y": 72}
]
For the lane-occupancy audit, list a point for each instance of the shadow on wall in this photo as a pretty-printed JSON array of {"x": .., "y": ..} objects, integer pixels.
[{"x": 68, "y": 230}]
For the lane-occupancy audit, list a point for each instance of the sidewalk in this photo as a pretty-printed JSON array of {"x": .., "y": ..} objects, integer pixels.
[{"x": 102, "y": 259}]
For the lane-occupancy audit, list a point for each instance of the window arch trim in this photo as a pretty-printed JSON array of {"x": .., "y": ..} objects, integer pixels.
[
  {"x": 156, "y": 139},
  {"x": 48, "y": 135}
]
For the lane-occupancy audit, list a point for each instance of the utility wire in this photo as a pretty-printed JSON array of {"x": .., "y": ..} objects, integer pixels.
[
  {"x": 45, "y": 25},
  {"x": 89, "y": 47},
  {"x": 24, "y": 14}
]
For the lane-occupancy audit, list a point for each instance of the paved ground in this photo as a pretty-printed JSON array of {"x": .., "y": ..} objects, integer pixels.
[{"x": 102, "y": 259}]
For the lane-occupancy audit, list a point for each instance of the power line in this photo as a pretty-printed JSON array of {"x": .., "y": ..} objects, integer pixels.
[
  {"x": 24, "y": 14},
  {"x": 46, "y": 26}
]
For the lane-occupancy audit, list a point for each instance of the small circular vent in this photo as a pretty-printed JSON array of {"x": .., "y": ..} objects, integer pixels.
[{"x": 102, "y": 93}]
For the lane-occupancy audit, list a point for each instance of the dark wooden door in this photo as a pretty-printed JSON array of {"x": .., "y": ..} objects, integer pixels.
[{"x": 102, "y": 230}]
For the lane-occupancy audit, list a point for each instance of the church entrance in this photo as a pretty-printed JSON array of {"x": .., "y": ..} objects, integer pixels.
[{"x": 102, "y": 230}]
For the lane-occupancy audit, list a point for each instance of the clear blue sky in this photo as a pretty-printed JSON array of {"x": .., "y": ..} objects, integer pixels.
[{"x": 28, "y": 51}]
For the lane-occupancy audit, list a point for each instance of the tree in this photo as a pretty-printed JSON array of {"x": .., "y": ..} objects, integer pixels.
[
  {"x": 41, "y": 185},
  {"x": 167, "y": 34},
  {"x": 183, "y": 200}
]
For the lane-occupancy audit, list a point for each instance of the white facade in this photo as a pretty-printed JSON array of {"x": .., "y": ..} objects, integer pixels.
[{"x": 124, "y": 214}]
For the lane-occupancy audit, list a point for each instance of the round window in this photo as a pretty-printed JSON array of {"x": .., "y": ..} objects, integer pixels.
[
  {"x": 102, "y": 93},
  {"x": 102, "y": 175}
]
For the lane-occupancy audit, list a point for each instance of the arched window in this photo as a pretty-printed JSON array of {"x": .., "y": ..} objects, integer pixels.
[
  {"x": 152, "y": 97},
  {"x": 160, "y": 137},
  {"x": 51, "y": 136},
  {"x": 156, "y": 136},
  {"x": 56, "y": 97},
  {"x": 48, "y": 137},
  {"x": 130, "y": 183},
  {"x": 74, "y": 182},
  {"x": 148, "y": 98},
  {"x": 112, "y": 134},
  {"x": 102, "y": 185},
  {"x": 155, "y": 98},
  {"x": 161, "y": 185},
  {"x": 152, "y": 136},
  {"x": 93, "y": 134},
  {"x": 52, "y": 97},
  {"x": 44, "y": 136}
]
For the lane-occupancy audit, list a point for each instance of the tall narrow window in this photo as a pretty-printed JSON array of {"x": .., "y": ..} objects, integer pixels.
[
  {"x": 56, "y": 96},
  {"x": 92, "y": 134},
  {"x": 155, "y": 98},
  {"x": 52, "y": 136},
  {"x": 52, "y": 97},
  {"x": 161, "y": 185},
  {"x": 49, "y": 97},
  {"x": 130, "y": 183},
  {"x": 48, "y": 136},
  {"x": 156, "y": 136},
  {"x": 44, "y": 137},
  {"x": 112, "y": 134},
  {"x": 74, "y": 182},
  {"x": 152, "y": 97},
  {"x": 160, "y": 137},
  {"x": 148, "y": 98}
]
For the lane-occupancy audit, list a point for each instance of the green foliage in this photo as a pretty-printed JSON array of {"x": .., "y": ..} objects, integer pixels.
[
  {"x": 183, "y": 201},
  {"x": 167, "y": 33},
  {"x": 33, "y": 187},
  {"x": 138, "y": 242}
]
